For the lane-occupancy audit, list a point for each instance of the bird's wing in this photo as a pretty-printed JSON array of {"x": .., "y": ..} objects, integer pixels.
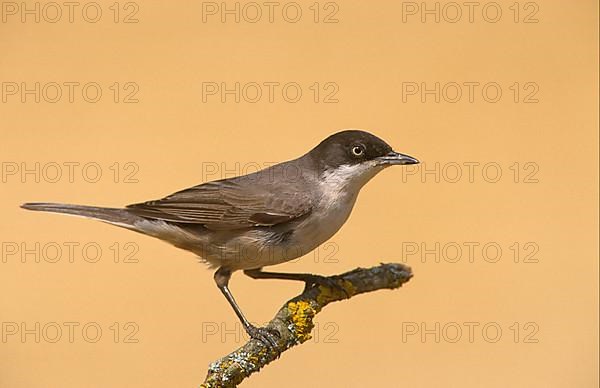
[{"x": 227, "y": 205}]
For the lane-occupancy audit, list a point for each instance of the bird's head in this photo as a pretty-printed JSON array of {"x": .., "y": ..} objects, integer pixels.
[{"x": 355, "y": 156}]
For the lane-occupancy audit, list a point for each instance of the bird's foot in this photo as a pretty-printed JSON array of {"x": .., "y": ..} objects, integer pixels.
[
  {"x": 269, "y": 337},
  {"x": 324, "y": 281}
]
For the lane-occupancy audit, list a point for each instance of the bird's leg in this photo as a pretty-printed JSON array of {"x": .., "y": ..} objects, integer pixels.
[
  {"x": 308, "y": 278},
  {"x": 266, "y": 336}
]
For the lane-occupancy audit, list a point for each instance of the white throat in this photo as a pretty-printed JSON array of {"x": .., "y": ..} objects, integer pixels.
[
  {"x": 338, "y": 189},
  {"x": 349, "y": 178}
]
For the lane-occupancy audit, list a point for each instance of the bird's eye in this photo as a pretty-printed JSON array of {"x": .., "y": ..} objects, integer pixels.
[{"x": 358, "y": 150}]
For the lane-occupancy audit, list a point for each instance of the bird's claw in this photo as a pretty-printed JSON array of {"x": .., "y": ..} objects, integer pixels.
[
  {"x": 269, "y": 337},
  {"x": 326, "y": 282}
]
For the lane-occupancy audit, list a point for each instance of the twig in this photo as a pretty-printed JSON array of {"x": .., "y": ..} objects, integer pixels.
[{"x": 294, "y": 321}]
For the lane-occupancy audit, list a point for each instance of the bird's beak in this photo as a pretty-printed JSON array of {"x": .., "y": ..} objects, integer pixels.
[{"x": 393, "y": 158}]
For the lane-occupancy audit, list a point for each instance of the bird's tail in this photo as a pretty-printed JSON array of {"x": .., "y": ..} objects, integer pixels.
[{"x": 115, "y": 216}]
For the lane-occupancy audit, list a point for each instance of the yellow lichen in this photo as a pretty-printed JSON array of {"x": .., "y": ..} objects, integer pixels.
[
  {"x": 327, "y": 294},
  {"x": 302, "y": 314},
  {"x": 349, "y": 287}
]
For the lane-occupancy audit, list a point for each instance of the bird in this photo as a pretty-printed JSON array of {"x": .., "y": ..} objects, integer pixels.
[{"x": 265, "y": 218}]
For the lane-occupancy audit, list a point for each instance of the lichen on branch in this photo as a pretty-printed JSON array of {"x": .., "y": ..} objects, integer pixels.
[{"x": 294, "y": 321}]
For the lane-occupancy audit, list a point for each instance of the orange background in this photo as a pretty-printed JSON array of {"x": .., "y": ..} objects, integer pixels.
[{"x": 171, "y": 134}]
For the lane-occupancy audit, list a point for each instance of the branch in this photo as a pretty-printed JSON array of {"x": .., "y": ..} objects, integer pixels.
[{"x": 294, "y": 321}]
